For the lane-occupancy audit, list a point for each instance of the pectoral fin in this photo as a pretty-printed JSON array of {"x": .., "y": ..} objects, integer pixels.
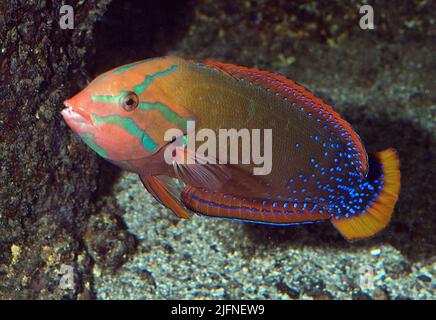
[
  {"x": 194, "y": 169},
  {"x": 167, "y": 192},
  {"x": 204, "y": 172}
]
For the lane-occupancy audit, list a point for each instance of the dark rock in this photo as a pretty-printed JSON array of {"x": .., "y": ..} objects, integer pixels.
[
  {"x": 107, "y": 241},
  {"x": 48, "y": 178}
]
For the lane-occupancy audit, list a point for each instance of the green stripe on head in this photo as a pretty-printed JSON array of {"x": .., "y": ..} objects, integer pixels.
[
  {"x": 130, "y": 126},
  {"x": 149, "y": 79},
  {"x": 88, "y": 138},
  {"x": 138, "y": 89},
  {"x": 135, "y": 64},
  {"x": 169, "y": 114},
  {"x": 109, "y": 99},
  {"x": 130, "y": 66}
]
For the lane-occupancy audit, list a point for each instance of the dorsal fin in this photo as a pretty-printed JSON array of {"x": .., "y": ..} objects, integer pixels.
[{"x": 289, "y": 90}]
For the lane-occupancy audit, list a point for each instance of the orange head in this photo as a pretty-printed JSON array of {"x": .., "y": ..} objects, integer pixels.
[{"x": 123, "y": 114}]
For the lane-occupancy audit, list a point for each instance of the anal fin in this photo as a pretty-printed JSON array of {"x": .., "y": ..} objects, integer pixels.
[{"x": 256, "y": 210}]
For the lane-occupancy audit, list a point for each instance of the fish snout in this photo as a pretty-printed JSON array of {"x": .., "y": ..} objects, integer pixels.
[
  {"x": 78, "y": 119},
  {"x": 75, "y": 111}
]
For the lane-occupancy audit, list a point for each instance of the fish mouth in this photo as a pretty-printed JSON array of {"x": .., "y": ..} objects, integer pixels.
[{"x": 75, "y": 114}]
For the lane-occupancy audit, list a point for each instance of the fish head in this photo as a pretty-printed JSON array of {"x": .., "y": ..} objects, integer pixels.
[{"x": 119, "y": 114}]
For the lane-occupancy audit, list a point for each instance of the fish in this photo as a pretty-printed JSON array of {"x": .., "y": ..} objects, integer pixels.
[{"x": 320, "y": 170}]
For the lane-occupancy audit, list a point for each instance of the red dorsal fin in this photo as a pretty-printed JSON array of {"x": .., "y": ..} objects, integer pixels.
[{"x": 289, "y": 90}]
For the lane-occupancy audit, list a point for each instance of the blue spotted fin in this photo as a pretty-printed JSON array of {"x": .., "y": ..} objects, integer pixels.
[{"x": 380, "y": 207}]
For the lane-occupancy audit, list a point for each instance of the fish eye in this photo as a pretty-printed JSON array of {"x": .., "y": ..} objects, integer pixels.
[{"x": 130, "y": 101}]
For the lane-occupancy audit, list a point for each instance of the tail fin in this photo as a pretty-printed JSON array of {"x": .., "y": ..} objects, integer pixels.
[{"x": 379, "y": 212}]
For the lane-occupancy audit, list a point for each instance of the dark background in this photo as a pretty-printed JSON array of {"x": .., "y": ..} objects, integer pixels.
[{"x": 382, "y": 81}]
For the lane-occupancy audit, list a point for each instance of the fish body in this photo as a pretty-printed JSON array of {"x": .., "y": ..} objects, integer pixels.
[{"x": 319, "y": 167}]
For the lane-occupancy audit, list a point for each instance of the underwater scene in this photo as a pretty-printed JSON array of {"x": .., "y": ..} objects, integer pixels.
[{"x": 217, "y": 150}]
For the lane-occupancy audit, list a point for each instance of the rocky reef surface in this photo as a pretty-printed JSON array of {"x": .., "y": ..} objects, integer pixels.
[
  {"x": 60, "y": 205},
  {"x": 48, "y": 178}
]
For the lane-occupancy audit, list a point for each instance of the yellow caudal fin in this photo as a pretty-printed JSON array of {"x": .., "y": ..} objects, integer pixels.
[{"x": 379, "y": 213}]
